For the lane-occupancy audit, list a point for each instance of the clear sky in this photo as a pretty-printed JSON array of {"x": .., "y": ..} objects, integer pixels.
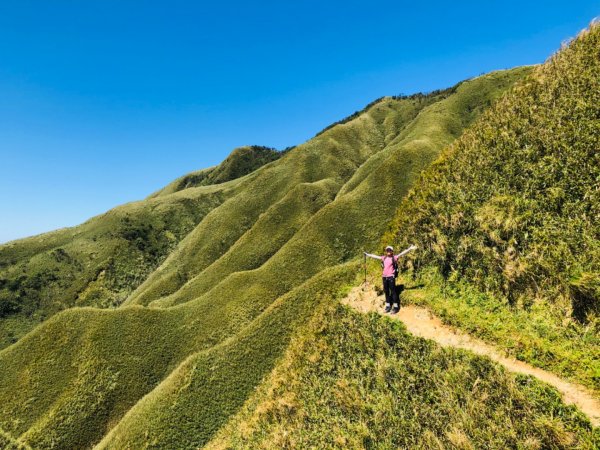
[{"x": 104, "y": 102}]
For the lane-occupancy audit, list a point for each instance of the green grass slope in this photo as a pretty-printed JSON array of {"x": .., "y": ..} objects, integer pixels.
[
  {"x": 333, "y": 156},
  {"x": 279, "y": 223},
  {"x": 512, "y": 209},
  {"x": 197, "y": 398},
  {"x": 184, "y": 368},
  {"x": 353, "y": 381}
]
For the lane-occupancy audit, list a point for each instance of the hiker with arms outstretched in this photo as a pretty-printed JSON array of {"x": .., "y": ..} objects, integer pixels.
[{"x": 389, "y": 263}]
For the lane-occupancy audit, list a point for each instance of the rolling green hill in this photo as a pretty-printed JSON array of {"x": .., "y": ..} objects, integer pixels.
[
  {"x": 100, "y": 262},
  {"x": 240, "y": 162},
  {"x": 169, "y": 365}
]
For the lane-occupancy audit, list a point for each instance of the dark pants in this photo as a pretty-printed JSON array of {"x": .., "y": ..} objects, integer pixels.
[{"x": 391, "y": 295}]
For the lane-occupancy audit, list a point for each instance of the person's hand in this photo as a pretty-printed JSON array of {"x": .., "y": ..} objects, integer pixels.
[{"x": 413, "y": 247}]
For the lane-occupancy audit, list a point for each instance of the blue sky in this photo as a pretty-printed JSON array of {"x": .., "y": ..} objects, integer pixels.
[{"x": 103, "y": 102}]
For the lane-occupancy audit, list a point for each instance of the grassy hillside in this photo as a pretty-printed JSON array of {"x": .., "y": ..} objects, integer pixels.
[
  {"x": 188, "y": 407},
  {"x": 9, "y": 443},
  {"x": 233, "y": 289},
  {"x": 352, "y": 381},
  {"x": 512, "y": 209},
  {"x": 327, "y": 161},
  {"x": 102, "y": 261}
]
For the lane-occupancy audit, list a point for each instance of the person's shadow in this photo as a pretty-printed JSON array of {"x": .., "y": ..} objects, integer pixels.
[
  {"x": 416, "y": 286},
  {"x": 399, "y": 289}
]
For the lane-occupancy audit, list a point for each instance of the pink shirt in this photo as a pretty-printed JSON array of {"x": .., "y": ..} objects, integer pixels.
[{"x": 388, "y": 265}]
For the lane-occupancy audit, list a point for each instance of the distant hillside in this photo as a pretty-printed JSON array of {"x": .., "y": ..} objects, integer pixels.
[
  {"x": 97, "y": 263},
  {"x": 261, "y": 253},
  {"x": 100, "y": 262}
]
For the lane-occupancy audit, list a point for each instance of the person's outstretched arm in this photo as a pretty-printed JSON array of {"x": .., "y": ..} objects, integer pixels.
[
  {"x": 371, "y": 255},
  {"x": 404, "y": 252}
]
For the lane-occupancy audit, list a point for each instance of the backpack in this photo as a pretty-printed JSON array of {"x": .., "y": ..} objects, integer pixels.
[{"x": 394, "y": 263}]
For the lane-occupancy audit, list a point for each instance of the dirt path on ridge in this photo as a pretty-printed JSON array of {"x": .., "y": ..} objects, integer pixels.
[{"x": 421, "y": 322}]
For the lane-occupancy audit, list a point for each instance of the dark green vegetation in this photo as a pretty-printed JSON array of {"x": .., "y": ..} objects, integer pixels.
[
  {"x": 353, "y": 381},
  {"x": 512, "y": 209},
  {"x": 183, "y": 352}
]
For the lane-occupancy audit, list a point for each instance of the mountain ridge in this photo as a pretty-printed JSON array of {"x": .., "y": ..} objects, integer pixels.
[{"x": 117, "y": 356}]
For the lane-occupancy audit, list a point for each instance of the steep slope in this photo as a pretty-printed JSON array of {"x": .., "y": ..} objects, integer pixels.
[
  {"x": 73, "y": 378},
  {"x": 509, "y": 216},
  {"x": 351, "y": 381}
]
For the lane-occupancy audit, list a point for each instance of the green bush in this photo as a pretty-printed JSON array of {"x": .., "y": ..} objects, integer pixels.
[{"x": 585, "y": 293}]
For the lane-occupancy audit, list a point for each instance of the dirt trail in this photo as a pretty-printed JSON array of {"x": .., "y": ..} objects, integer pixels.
[{"x": 421, "y": 322}]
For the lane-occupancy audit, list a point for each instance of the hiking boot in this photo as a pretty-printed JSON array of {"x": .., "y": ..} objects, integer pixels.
[
  {"x": 395, "y": 309},
  {"x": 388, "y": 307}
]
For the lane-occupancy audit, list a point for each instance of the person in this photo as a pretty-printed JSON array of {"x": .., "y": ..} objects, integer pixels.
[{"x": 389, "y": 263}]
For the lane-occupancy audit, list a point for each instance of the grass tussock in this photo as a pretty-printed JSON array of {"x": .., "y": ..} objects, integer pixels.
[{"x": 8, "y": 443}]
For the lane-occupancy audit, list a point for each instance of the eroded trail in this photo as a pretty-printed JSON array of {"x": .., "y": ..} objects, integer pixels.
[{"x": 421, "y": 322}]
